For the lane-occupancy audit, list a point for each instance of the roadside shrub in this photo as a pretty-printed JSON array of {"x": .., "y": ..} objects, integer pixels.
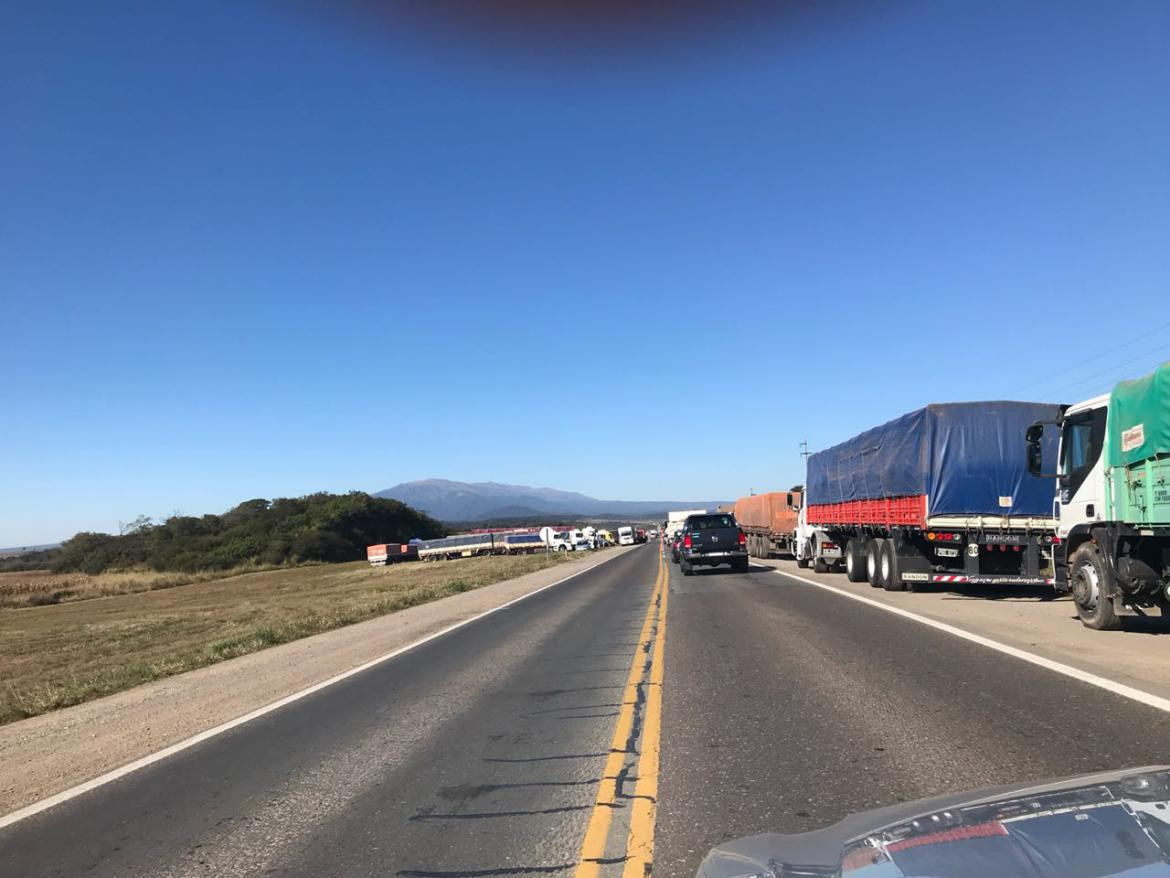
[{"x": 320, "y": 527}]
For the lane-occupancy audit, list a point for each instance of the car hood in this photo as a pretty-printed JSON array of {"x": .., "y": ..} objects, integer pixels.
[{"x": 1084, "y": 827}]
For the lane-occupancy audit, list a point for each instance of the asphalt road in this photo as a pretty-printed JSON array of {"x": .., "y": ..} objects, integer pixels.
[{"x": 485, "y": 752}]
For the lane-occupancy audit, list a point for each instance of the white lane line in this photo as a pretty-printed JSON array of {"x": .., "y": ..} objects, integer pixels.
[
  {"x": 1108, "y": 685},
  {"x": 158, "y": 756}
]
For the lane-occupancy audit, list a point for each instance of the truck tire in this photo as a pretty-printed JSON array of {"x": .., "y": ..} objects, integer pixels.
[
  {"x": 802, "y": 558},
  {"x": 873, "y": 563},
  {"x": 686, "y": 568},
  {"x": 855, "y": 561},
  {"x": 890, "y": 572},
  {"x": 1092, "y": 588},
  {"x": 819, "y": 565}
]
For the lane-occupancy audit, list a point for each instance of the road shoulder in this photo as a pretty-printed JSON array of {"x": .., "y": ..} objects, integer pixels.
[
  {"x": 47, "y": 754},
  {"x": 1026, "y": 620}
]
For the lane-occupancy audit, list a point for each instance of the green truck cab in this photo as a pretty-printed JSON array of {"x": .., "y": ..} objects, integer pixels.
[{"x": 1112, "y": 506}]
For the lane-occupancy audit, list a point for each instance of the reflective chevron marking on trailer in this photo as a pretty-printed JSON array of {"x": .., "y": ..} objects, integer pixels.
[{"x": 985, "y": 580}]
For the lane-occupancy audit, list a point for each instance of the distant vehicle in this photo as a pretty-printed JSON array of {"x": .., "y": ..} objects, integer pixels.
[
  {"x": 582, "y": 545},
  {"x": 459, "y": 546},
  {"x": 769, "y": 520},
  {"x": 1111, "y": 498},
  {"x": 519, "y": 544},
  {"x": 605, "y": 538},
  {"x": 674, "y": 520},
  {"x": 652, "y": 533},
  {"x": 710, "y": 540},
  {"x": 675, "y": 544},
  {"x": 940, "y": 495},
  {"x": 640, "y": 535},
  {"x": 555, "y": 540},
  {"x": 625, "y": 536},
  {"x": 390, "y": 553}
]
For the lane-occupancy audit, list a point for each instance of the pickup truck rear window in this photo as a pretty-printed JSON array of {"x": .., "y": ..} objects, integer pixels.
[{"x": 710, "y": 522}]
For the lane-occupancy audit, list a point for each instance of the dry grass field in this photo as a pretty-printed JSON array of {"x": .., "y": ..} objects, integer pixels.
[
  {"x": 38, "y": 588},
  {"x": 64, "y": 653}
]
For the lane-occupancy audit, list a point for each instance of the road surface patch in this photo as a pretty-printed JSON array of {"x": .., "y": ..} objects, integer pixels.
[{"x": 1100, "y": 682}]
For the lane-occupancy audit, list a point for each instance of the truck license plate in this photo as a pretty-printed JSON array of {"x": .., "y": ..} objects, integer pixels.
[{"x": 944, "y": 552}]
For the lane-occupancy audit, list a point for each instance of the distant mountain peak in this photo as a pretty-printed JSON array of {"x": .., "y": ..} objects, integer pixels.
[{"x": 449, "y": 500}]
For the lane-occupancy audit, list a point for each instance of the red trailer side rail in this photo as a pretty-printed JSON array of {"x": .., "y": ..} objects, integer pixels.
[{"x": 888, "y": 511}]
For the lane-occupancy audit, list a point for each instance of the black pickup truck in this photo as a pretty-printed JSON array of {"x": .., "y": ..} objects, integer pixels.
[{"x": 710, "y": 540}]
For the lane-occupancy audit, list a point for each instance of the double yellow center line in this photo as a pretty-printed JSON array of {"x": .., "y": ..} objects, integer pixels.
[{"x": 645, "y": 675}]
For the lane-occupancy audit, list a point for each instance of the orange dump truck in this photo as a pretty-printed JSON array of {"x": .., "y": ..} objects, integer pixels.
[{"x": 769, "y": 520}]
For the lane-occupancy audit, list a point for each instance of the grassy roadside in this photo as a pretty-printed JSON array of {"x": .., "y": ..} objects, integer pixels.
[
  {"x": 62, "y": 654},
  {"x": 39, "y": 588}
]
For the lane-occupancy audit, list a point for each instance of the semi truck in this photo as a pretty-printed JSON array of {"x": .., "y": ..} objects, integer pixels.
[
  {"x": 390, "y": 553},
  {"x": 674, "y": 520},
  {"x": 1111, "y": 499},
  {"x": 941, "y": 495},
  {"x": 769, "y": 521}
]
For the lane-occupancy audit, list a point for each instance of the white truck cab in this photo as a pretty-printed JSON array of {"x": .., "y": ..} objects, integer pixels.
[
  {"x": 557, "y": 541},
  {"x": 625, "y": 536},
  {"x": 813, "y": 546},
  {"x": 1081, "y": 466},
  {"x": 1112, "y": 503}
]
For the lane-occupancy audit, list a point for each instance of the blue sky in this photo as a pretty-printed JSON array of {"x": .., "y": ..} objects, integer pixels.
[{"x": 254, "y": 250}]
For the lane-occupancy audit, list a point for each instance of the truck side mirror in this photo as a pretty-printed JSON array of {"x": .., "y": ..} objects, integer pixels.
[
  {"x": 789, "y": 499},
  {"x": 1035, "y": 452}
]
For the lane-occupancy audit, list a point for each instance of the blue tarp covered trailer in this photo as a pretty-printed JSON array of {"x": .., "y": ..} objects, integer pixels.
[{"x": 947, "y": 459}]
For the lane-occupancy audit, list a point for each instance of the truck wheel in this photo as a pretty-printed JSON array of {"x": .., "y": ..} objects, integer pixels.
[
  {"x": 891, "y": 575},
  {"x": 802, "y": 562},
  {"x": 855, "y": 561},
  {"x": 1093, "y": 589},
  {"x": 873, "y": 563},
  {"x": 819, "y": 566},
  {"x": 686, "y": 568}
]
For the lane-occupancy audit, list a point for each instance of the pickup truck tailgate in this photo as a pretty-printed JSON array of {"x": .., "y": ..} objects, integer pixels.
[{"x": 714, "y": 535}]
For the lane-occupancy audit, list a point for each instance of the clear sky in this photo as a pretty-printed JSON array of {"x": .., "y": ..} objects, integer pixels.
[{"x": 252, "y": 249}]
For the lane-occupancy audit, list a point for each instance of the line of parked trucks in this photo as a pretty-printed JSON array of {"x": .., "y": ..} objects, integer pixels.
[
  {"x": 993, "y": 493},
  {"x": 509, "y": 541}
]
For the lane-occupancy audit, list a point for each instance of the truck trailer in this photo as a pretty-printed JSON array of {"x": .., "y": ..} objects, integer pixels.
[
  {"x": 390, "y": 553},
  {"x": 674, "y": 520},
  {"x": 941, "y": 495},
  {"x": 769, "y": 521},
  {"x": 1112, "y": 499}
]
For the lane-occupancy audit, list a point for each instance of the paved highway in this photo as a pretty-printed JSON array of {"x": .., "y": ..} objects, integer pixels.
[{"x": 615, "y": 720}]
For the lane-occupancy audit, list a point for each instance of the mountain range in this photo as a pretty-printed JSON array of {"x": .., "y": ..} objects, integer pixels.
[{"x": 480, "y": 501}]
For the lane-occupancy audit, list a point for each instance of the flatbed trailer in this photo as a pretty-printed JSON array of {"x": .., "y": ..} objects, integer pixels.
[{"x": 939, "y": 496}]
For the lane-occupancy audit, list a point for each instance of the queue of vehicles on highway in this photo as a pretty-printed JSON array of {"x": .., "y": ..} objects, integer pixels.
[
  {"x": 1076, "y": 497},
  {"x": 507, "y": 541}
]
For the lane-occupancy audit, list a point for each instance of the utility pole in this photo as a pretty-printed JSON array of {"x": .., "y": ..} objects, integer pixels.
[{"x": 804, "y": 452}]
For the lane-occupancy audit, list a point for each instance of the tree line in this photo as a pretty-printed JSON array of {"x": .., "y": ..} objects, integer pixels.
[{"x": 288, "y": 530}]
